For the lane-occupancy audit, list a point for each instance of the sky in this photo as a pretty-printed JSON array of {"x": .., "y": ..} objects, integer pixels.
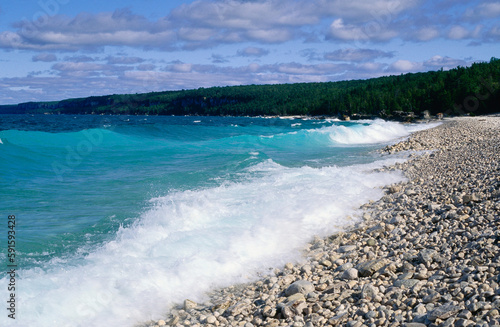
[{"x": 58, "y": 49}]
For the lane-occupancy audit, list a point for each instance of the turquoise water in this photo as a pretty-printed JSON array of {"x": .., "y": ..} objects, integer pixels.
[{"x": 110, "y": 209}]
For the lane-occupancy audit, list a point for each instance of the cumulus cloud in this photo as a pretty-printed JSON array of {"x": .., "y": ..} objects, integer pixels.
[
  {"x": 45, "y": 57},
  {"x": 426, "y": 33},
  {"x": 90, "y": 31},
  {"x": 434, "y": 63},
  {"x": 437, "y": 62},
  {"x": 494, "y": 34},
  {"x": 146, "y": 67},
  {"x": 357, "y": 55},
  {"x": 482, "y": 11},
  {"x": 81, "y": 58},
  {"x": 218, "y": 59},
  {"x": 124, "y": 60},
  {"x": 206, "y": 24},
  {"x": 253, "y": 52},
  {"x": 80, "y": 79},
  {"x": 372, "y": 31},
  {"x": 405, "y": 66},
  {"x": 80, "y": 46}
]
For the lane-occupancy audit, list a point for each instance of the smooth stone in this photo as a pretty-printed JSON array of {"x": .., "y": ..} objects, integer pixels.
[
  {"x": 337, "y": 288},
  {"x": 211, "y": 319},
  {"x": 345, "y": 266},
  {"x": 268, "y": 311},
  {"x": 369, "y": 292},
  {"x": 346, "y": 248},
  {"x": 188, "y": 304},
  {"x": 350, "y": 274},
  {"x": 300, "y": 286},
  {"x": 406, "y": 283},
  {"x": 296, "y": 297},
  {"x": 368, "y": 268},
  {"x": 426, "y": 255},
  {"x": 443, "y": 312}
]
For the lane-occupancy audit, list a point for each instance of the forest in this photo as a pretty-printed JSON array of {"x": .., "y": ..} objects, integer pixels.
[{"x": 470, "y": 90}]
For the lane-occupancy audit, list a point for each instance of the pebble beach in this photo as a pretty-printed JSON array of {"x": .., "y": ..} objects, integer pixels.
[{"x": 426, "y": 254}]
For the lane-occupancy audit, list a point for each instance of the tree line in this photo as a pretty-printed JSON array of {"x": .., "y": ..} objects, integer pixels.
[{"x": 462, "y": 90}]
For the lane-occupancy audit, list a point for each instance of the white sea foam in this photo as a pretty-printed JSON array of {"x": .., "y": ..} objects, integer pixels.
[
  {"x": 371, "y": 132},
  {"x": 193, "y": 241}
]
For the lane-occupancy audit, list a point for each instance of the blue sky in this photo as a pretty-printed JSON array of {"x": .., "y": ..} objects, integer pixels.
[{"x": 57, "y": 49}]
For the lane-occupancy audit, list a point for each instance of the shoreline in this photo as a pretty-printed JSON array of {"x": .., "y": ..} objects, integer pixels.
[{"x": 426, "y": 254}]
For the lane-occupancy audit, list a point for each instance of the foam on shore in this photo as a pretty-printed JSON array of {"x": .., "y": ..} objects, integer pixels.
[{"x": 426, "y": 253}]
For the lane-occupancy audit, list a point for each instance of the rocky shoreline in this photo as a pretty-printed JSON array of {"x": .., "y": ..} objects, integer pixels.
[{"x": 426, "y": 254}]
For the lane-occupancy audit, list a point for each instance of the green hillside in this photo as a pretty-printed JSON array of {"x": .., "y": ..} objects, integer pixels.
[{"x": 462, "y": 90}]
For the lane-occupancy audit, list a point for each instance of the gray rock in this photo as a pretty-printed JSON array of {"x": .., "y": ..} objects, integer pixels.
[
  {"x": 350, "y": 274},
  {"x": 426, "y": 255},
  {"x": 470, "y": 198},
  {"x": 410, "y": 192},
  {"x": 345, "y": 266},
  {"x": 394, "y": 189},
  {"x": 477, "y": 306},
  {"x": 337, "y": 288},
  {"x": 432, "y": 297},
  {"x": 300, "y": 286},
  {"x": 346, "y": 248},
  {"x": 463, "y": 323},
  {"x": 368, "y": 268},
  {"x": 268, "y": 311},
  {"x": 376, "y": 230},
  {"x": 369, "y": 292},
  {"x": 188, "y": 304},
  {"x": 211, "y": 319},
  {"x": 406, "y": 283},
  {"x": 443, "y": 312},
  {"x": 296, "y": 297}
]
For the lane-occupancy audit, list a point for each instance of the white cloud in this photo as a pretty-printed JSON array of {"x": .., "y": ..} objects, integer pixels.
[
  {"x": 253, "y": 52},
  {"x": 494, "y": 33},
  {"x": 124, "y": 60},
  {"x": 437, "y": 62},
  {"x": 405, "y": 66},
  {"x": 180, "y": 68},
  {"x": 382, "y": 11},
  {"x": 45, "y": 57},
  {"x": 90, "y": 31},
  {"x": 458, "y": 32},
  {"x": 81, "y": 58},
  {"x": 373, "y": 31},
  {"x": 146, "y": 67},
  {"x": 357, "y": 55},
  {"x": 426, "y": 33},
  {"x": 483, "y": 10},
  {"x": 207, "y": 24},
  {"x": 81, "y": 79}
]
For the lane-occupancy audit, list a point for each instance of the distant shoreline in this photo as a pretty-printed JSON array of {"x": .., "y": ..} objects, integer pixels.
[
  {"x": 354, "y": 118},
  {"x": 402, "y": 97}
]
